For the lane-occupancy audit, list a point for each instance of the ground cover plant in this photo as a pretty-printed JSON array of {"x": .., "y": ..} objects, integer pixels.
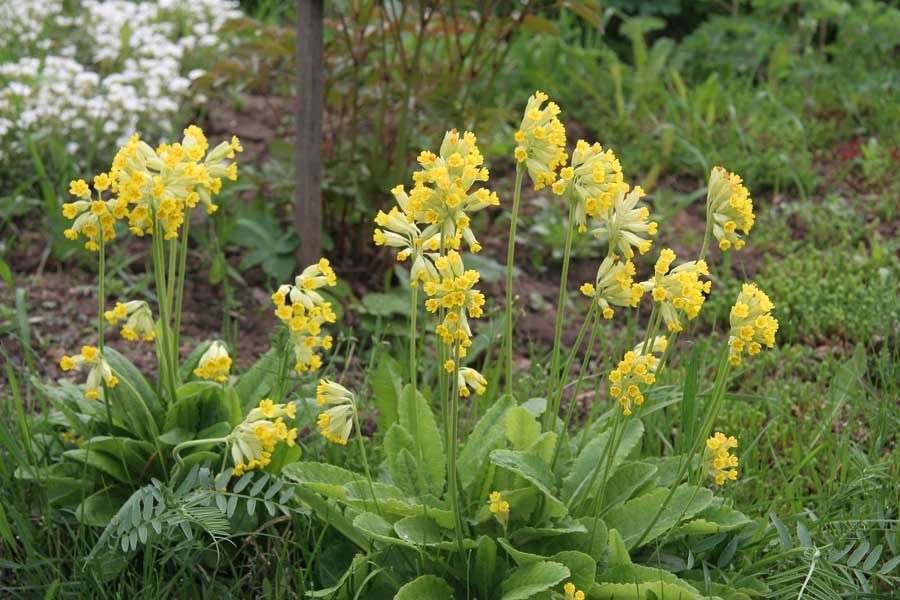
[{"x": 588, "y": 372}]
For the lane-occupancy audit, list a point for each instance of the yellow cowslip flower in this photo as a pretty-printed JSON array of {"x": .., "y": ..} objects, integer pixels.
[
  {"x": 752, "y": 323},
  {"x": 161, "y": 184},
  {"x": 624, "y": 223},
  {"x": 499, "y": 508},
  {"x": 718, "y": 461},
  {"x": 593, "y": 179},
  {"x": 634, "y": 372},
  {"x": 729, "y": 207},
  {"x": 303, "y": 291},
  {"x": 306, "y": 314},
  {"x": 614, "y": 285},
  {"x": 400, "y": 231},
  {"x": 215, "y": 363},
  {"x": 442, "y": 198},
  {"x": 335, "y": 423},
  {"x": 470, "y": 378},
  {"x": 541, "y": 140},
  {"x": 100, "y": 372},
  {"x": 140, "y": 324},
  {"x": 678, "y": 289},
  {"x": 572, "y": 593},
  {"x": 92, "y": 218},
  {"x": 454, "y": 292},
  {"x": 254, "y": 439}
]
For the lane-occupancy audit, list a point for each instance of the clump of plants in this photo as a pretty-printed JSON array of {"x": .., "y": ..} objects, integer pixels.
[{"x": 526, "y": 500}]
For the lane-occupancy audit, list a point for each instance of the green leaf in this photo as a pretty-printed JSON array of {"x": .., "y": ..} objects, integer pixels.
[
  {"x": 199, "y": 406},
  {"x": 531, "y": 579},
  {"x": 135, "y": 401},
  {"x": 581, "y": 566},
  {"x": 97, "y": 509},
  {"x": 399, "y": 449},
  {"x": 533, "y": 469},
  {"x": 522, "y": 429},
  {"x": 714, "y": 520},
  {"x": 426, "y": 587},
  {"x": 125, "y": 459},
  {"x": 519, "y": 556},
  {"x": 631, "y": 518},
  {"x": 594, "y": 456},
  {"x": 594, "y": 529},
  {"x": 524, "y": 535},
  {"x": 392, "y": 501},
  {"x": 641, "y": 591},
  {"x": 485, "y": 566},
  {"x": 282, "y": 456},
  {"x": 386, "y": 387},
  {"x": 375, "y": 527},
  {"x": 420, "y": 530},
  {"x": 486, "y": 436},
  {"x": 321, "y": 477},
  {"x": 424, "y": 429},
  {"x": 628, "y": 479},
  {"x": 256, "y": 382},
  {"x": 618, "y": 553}
]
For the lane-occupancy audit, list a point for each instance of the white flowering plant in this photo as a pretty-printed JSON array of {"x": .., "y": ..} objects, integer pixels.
[{"x": 93, "y": 72}]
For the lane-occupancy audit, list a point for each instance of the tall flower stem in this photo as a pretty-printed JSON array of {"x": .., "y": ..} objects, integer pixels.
[
  {"x": 510, "y": 252},
  {"x": 595, "y": 332},
  {"x": 414, "y": 381},
  {"x": 101, "y": 320},
  {"x": 182, "y": 265},
  {"x": 167, "y": 367},
  {"x": 560, "y": 310},
  {"x": 451, "y": 450},
  {"x": 365, "y": 460},
  {"x": 718, "y": 392}
]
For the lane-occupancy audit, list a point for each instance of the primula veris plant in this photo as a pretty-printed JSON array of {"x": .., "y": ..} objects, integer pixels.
[
  {"x": 528, "y": 502},
  {"x": 199, "y": 421}
]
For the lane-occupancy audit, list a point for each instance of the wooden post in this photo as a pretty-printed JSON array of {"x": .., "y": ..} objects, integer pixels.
[{"x": 308, "y": 153}]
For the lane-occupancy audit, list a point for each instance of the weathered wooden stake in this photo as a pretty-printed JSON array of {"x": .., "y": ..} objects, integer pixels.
[{"x": 308, "y": 153}]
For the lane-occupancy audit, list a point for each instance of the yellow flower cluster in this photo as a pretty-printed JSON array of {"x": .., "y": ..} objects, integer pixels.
[
  {"x": 624, "y": 223},
  {"x": 635, "y": 371},
  {"x": 718, "y": 461},
  {"x": 730, "y": 207},
  {"x": 304, "y": 311},
  {"x": 151, "y": 187},
  {"x": 253, "y": 441},
  {"x": 140, "y": 324},
  {"x": 470, "y": 378},
  {"x": 572, "y": 593},
  {"x": 100, "y": 372},
  {"x": 594, "y": 178},
  {"x": 335, "y": 423},
  {"x": 455, "y": 294},
  {"x": 215, "y": 363},
  {"x": 400, "y": 231},
  {"x": 614, "y": 285},
  {"x": 499, "y": 508},
  {"x": 752, "y": 323},
  {"x": 541, "y": 140},
  {"x": 442, "y": 198},
  {"x": 93, "y": 218},
  {"x": 678, "y": 289}
]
